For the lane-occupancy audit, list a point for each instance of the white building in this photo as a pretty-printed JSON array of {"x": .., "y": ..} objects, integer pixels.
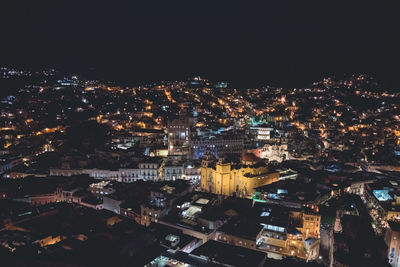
[
  {"x": 146, "y": 171},
  {"x": 275, "y": 152},
  {"x": 173, "y": 172},
  {"x": 262, "y": 132},
  {"x": 192, "y": 172},
  {"x": 150, "y": 171}
]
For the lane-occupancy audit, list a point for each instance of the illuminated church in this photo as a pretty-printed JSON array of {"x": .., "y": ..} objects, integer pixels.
[{"x": 228, "y": 177}]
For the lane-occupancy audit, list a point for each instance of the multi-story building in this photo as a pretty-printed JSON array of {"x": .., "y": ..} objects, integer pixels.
[
  {"x": 308, "y": 195},
  {"x": 173, "y": 171},
  {"x": 192, "y": 171},
  {"x": 149, "y": 169},
  {"x": 384, "y": 197},
  {"x": 179, "y": 137},
  {"x": 228, "y": 178},
  {"x": 152, "y": 213},
  {"x": 219, "y": 147},
  {"x": 126, "y": 175},
  {"x": 309, "y": 223},
  {"x": 271, "y": 151},
  {"x": 282, "y": 232},
  {"x": 161, "y": 201},
  {"x": 392, "y": 240},
  {"x": 261, "y": 132}
]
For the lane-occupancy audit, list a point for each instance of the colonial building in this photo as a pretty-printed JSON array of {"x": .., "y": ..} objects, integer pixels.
[
  {"x": 149, "y": 169},
  {"x": 219, "y": 146},
  {"x": 173, "y": 170},
  {"x": 228, "y": 178},
  {"x": 293, "y": 233}
]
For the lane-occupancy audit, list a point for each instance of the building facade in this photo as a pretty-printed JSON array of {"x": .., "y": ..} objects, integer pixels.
[
  {"x": 392, "y": 240},
  {"x": 173, "y": 172},
  {"x": 276, "y": 237},
  {"x": 226, "y": 178},
  {"x": 179, "y": 137},
  {"x": 219, "y": 147},
  {"x": 146, "y": 171}
]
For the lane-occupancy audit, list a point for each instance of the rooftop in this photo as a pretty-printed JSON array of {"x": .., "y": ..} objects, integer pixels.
[{"x": 222, "y": 253}]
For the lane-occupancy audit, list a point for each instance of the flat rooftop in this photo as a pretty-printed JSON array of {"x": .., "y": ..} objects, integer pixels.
[{"x": 231, "y": 255}]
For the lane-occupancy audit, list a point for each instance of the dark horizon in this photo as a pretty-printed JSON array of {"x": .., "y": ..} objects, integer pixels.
[{"x": 285, "y": 43}]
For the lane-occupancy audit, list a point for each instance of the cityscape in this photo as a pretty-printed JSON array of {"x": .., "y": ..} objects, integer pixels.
[
  {"x": 172, "y": 172},
  {"x": 184, "y": 134}
]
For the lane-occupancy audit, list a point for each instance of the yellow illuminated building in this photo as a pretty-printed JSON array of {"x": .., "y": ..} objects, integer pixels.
[
  {"x": 310, "y": 223},
  {"x": 279, "y": 238},
  {"x": 227, "y": 178}
]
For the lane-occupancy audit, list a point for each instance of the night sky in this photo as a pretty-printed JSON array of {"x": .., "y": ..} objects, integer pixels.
[{"x": 284, "y": 43}]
